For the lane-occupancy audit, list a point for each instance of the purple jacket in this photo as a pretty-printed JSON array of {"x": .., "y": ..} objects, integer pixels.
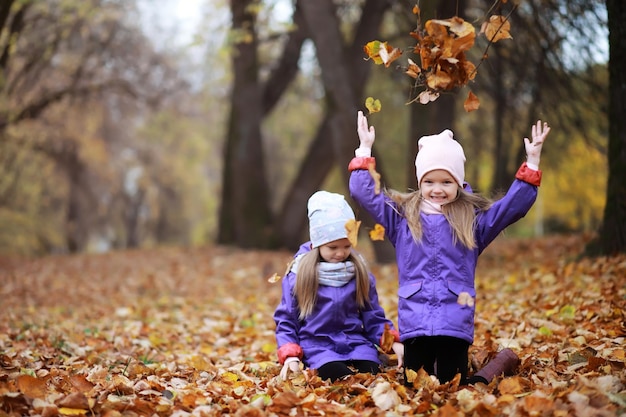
[
  {"x": 435, "y": 271},
  {"x": 336, "y": 330}
]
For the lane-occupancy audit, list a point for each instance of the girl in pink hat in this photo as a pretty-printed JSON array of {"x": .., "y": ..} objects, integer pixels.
[{"x": 438, "y": 232}]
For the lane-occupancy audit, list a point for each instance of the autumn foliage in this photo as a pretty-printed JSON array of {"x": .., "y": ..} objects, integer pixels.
[
  {"x": 175, "y": 332},
  {"x": 440, "y": 62}
]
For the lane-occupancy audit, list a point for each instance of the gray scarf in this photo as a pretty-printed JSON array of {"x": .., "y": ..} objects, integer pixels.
[{"x": 331, "y": 274}]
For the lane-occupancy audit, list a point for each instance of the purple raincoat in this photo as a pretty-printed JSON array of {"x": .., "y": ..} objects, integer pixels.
[
  {"x": 435, "y": 272},
  {"x": 336, "y": 330}
]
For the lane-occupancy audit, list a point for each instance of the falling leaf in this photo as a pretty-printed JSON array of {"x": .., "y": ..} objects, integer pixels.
[
  {"x": 389, "y": 55},
  {"x": 471, "y": 103},
  {"x": 381, "y": 52},
  {"x": 387, "y": 339},
  {"x": 439, "y": 80},
  {"x": 377, "y": 233},
  {"x": 427, "y": 96},
  {"x": 497, "y": 28},
  {"x": 373, "y": 105},
  {"x": 413, "y": 70},
  {"x": 352, "y": 228},
  {"x": 274, "y": 278},
  {"x": 375, "y": 176}
]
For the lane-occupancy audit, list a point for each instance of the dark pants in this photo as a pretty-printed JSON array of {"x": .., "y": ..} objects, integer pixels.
[
  {"x": 442, "y": 356},
  {"x": 339, "y": 369}
]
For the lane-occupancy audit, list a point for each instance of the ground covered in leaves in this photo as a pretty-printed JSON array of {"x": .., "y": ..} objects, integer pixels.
[{"x": 176, "y": 332}]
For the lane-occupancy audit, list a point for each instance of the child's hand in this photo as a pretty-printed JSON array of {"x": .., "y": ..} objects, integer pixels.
[
  {"x": 291, "y": 364},
  {"x": 366, "y": 135},
  {"x": 398, "y": 349},
  {"x": 533, "y": 149}
]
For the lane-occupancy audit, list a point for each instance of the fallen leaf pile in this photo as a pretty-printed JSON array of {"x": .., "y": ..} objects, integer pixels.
[{"x": 182, "y": 332}]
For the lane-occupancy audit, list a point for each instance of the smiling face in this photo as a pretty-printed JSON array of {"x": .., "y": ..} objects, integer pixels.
[
  {"x": 336, "y": 251},
  {"x": 439, "y": 187}
]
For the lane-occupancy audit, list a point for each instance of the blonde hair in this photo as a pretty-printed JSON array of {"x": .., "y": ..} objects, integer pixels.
[
  {"x": 460, "y": 213},
  {"x": 307, "y": 281}
]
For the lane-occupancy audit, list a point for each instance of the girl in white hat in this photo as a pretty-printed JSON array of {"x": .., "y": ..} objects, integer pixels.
[{"x": 329, "y": 317}]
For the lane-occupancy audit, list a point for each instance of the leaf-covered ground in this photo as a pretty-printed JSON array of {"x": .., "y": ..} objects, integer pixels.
[{"x": 190, "y": 332}]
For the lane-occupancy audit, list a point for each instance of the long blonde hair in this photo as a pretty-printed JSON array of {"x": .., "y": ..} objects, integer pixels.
[
  {"x": 307, "y": 281},
  {"x": 460, "y": 213}
]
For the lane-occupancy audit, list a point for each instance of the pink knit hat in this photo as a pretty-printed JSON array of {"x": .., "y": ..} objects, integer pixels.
[{"x": 440, "y": 152}]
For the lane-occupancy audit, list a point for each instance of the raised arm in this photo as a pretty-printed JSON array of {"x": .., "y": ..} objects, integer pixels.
[
  {"x": 533, "y": 149},
  {"x": 367, "y": 135}
]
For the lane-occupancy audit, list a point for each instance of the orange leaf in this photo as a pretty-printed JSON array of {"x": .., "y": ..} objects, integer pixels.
[
  {"x": 376, "y": 176},
  {"x": 387, "y": 339},
  {"x": 352, "y": 227},
  {"x": 439, "y": 80},
  {"x": 413, "y": 69},
  {"x": 32, "y": 387},
  {"x": 377, "y": 233},
  {"x": 471, "y": 102},
  {"x": 497, "y": 28},
  {"x": 510, "y": 386},
  {"x": 388, "y": 54}
]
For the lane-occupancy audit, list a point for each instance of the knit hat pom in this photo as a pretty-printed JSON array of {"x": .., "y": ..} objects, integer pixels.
[
  {"x": 328, "y": 215},
  {"x": 440, "y": 152}
]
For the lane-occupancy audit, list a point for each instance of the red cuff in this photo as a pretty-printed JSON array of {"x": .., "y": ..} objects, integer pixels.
[
  {"x": 362, "y": 162},
  {"x": 288, "y": 350},
  {"x": 529, "y": 175},
  {"x": 396, "y": 335}
]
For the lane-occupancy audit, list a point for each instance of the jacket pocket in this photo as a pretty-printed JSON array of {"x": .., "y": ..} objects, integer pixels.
[
  {"x": 408, "y": 291},
  {"x": 458, "y": 288}
]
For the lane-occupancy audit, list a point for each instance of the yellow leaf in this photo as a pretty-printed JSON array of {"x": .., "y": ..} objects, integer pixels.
[
  {"x": 567, "y": 312},
  {"x": 230, "y": 376},
  {"x": 377, "y": 233},
  {"x": 64, "y": 411},
  {"x": 373, "y": 105},
  {"x": 352, "y": 227},
  {"x": 268, "y": 347},
  {"x": 372, "y": 50},
  {"x": 274, "y": 278}
]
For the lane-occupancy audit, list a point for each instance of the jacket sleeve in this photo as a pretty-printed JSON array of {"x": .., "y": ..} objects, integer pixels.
[
  {"x": 373, "y": 316},
  {"x": 512, "y": 207},
  {"x": 287, "y": 323},
  {"x": 379, "y": 206}
]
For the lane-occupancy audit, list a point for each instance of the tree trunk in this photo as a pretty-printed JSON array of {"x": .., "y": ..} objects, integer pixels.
[
  {"x": 319, "y": 159},
  {"x": 245, "y": 216},
  {"x": 612, "y": 239}
]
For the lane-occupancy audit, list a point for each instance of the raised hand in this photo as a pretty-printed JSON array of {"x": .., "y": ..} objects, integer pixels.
[
  {"x": 533, "y": 149},
  {"x": 366, "y": 134}
]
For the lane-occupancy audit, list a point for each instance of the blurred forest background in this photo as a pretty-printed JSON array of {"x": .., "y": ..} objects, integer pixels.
[{"x": 117, "y": 132}]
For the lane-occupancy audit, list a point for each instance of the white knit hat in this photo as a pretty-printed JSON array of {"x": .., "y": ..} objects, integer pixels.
[
  {"x": 328, "y": 214},
  {"x": 440, "y": 152}
]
